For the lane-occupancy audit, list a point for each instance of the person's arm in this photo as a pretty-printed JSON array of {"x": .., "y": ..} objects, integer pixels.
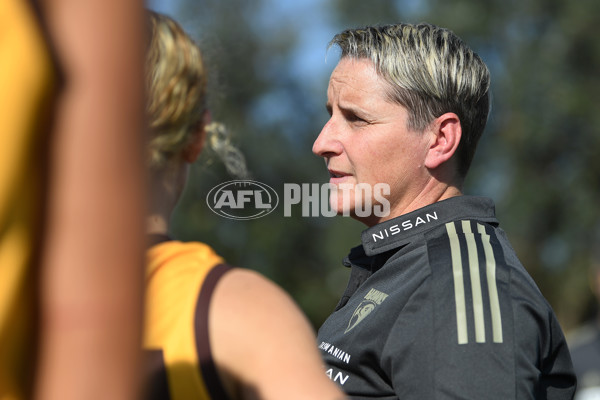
[
  {"x": 262, "y": 344},
  {"x": 92, "y": 265}
]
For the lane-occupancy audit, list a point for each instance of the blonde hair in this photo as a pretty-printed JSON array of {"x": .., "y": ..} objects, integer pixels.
[
  {"x": 430, "y": 71},
  {"x": 219, "y": 141},
  {"x": 176, "y": 80}
]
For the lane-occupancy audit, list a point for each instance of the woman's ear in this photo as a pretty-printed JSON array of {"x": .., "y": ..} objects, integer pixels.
[
  {"x": 192, "y": 151},
  {"x": 447, "y": 132}
]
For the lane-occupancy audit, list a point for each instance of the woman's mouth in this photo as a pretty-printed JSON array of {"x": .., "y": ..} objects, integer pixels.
[{"x": 337, "y": 176}]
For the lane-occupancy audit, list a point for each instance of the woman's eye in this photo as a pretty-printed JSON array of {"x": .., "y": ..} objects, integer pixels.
[{"x": 355, "y": 118}]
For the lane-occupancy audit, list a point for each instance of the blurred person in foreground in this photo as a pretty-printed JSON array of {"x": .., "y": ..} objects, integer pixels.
[
  {"x": 438, "y": 304},
  {"x": 71, "y": 185},
  {"x": 211, "y": 331}
]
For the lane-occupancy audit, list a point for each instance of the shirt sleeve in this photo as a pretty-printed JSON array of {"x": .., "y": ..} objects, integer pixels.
[
  {"x": 469, "y": 334},
  {"x": 540, "y": 346}
]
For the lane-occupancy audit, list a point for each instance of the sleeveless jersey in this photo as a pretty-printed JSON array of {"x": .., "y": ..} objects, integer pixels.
[{"x": 180, "y": 278}]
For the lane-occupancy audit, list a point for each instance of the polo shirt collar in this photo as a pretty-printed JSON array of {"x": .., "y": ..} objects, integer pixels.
[{"x": 399, "y": 231}]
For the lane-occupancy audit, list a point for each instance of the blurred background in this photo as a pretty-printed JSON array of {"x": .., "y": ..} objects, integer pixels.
[{"x": 539, "y": 158}]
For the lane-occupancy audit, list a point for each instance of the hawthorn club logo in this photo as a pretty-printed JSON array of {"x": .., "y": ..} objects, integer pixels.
[{"x": 370, "y": 301}]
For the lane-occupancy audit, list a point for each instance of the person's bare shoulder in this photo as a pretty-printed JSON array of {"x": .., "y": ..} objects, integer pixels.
[{"x": 263, "y": 345}]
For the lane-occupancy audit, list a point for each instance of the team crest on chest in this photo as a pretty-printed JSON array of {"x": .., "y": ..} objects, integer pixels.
[{"x": 371, "y": 300}]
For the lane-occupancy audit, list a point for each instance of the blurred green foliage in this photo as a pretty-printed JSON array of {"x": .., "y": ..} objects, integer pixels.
[{"x": 539, "y": 158}]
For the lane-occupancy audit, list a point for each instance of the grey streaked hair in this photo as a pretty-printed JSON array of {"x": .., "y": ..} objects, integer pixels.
[{"x": 430, "y": 71}]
